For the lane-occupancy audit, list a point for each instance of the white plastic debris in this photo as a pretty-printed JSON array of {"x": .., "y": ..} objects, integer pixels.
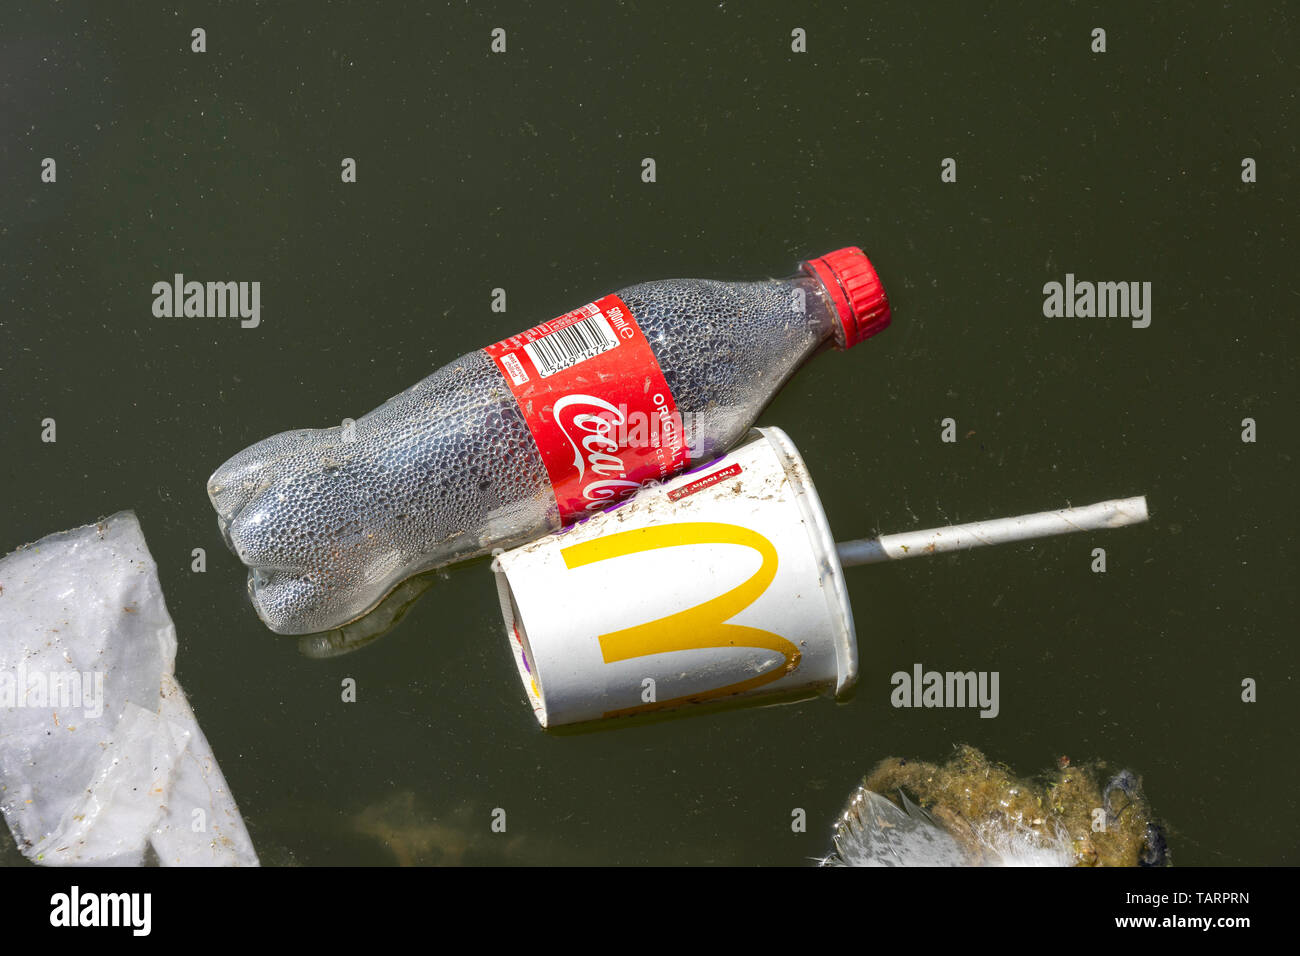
[
  {"x": 1118, "y": 513},
  {"x": 600, "y": 617},
  {"x": 873, "y": 831},
  {"x": 100, "y": 754},
  {"x": 603, "y": 621}
]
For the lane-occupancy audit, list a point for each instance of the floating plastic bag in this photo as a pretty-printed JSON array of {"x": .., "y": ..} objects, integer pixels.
[{"x": 100, "y": 754}]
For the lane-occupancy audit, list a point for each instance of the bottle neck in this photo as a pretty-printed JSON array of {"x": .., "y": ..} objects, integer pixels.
[{"x": 819, "y": 311}]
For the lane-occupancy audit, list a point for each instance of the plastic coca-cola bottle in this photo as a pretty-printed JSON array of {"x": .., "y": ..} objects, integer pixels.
[{"x": 515, "y": 440}]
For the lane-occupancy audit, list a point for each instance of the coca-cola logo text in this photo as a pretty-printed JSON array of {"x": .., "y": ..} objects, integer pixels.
[{"x": 595, "y": 450}]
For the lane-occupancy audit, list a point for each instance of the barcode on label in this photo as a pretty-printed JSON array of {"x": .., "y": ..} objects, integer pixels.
[{"x": 566, "y": 347}]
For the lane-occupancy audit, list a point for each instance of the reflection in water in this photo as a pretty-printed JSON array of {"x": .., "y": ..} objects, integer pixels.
[
  {"x": 418, "y": 837},
  {"x": 365, "y": 630},
  {"x": 405, "y": 828}
]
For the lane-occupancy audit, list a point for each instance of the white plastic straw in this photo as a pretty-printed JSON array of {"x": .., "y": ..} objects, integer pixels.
[{"x": 958, "y": 537}]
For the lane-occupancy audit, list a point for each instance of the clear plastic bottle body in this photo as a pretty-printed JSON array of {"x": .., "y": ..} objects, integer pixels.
[
  {"x": 726, "y": 348},
  {"x": 330, "y": 520}
]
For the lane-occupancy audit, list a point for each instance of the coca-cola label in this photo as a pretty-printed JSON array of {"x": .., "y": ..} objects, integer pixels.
[{"x": 597, "y": 404}]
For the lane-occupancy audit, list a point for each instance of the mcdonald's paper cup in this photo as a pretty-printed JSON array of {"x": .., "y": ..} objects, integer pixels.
[{"x": 721, "y": 584}]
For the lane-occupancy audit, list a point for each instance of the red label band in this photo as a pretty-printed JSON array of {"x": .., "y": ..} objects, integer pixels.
[
  {"x": 597, "y": 404},
  {"x": 708, "y": 481}
]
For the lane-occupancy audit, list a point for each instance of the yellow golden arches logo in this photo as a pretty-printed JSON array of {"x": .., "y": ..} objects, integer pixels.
[{"x": 696, "y": 628}]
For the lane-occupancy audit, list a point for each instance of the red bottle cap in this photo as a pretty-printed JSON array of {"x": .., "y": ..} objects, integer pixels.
[{"x": 852, "y": 283}]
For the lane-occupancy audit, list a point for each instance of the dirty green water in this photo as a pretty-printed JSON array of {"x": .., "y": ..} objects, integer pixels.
[{"x": 522, "y": 171}]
